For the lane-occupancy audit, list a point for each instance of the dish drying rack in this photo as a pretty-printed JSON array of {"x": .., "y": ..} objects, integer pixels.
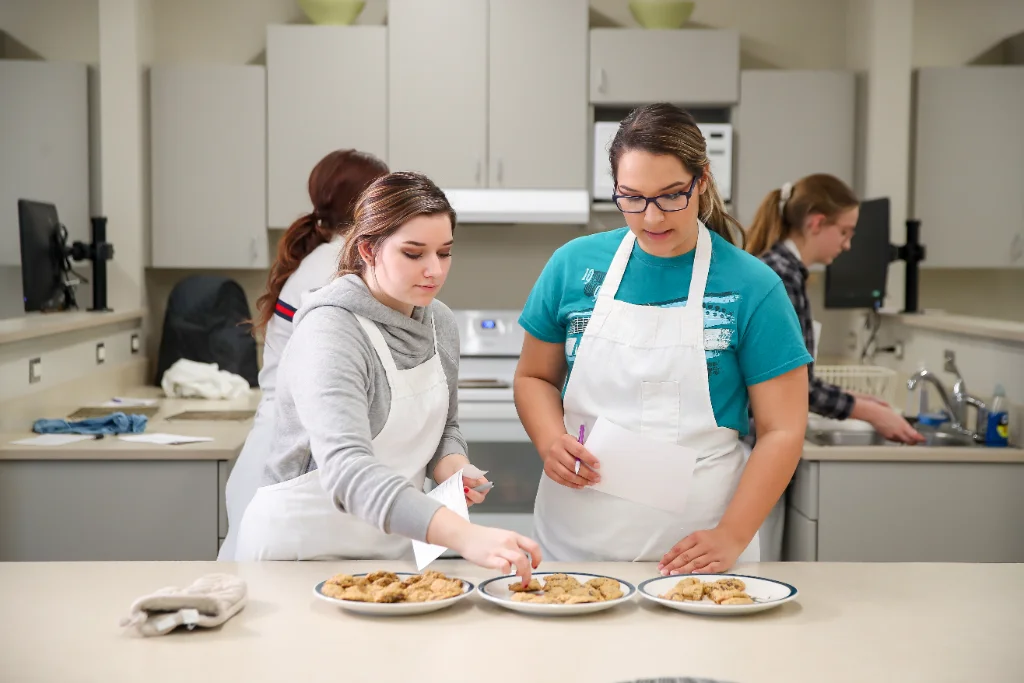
[{"x": 872, "y": 380}]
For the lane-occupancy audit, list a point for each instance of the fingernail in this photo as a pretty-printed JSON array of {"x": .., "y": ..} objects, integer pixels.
[
  {"x": 675, "y": 572},
  {"x": 465, "y": 489},
  {"x": 664, "y": 572}
]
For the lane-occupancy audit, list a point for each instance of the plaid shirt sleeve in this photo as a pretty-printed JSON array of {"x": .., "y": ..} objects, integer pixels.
[{"x": 824, "y": 399}]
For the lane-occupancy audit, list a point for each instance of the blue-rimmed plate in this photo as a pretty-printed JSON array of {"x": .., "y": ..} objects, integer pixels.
[
  {"x": 496, "y": 590},
  {"x": 394, "y": 608},
  {"x": 766, "y": 594}
]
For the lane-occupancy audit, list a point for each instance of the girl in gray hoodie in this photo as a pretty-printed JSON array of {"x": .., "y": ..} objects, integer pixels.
[{"x": 367, "y": 402}]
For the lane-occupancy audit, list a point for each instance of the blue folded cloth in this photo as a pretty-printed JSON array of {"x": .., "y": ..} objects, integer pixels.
[{"x": 115, "y": 423}]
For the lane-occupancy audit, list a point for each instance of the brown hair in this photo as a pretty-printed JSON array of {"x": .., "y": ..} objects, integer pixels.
[
  {"x": 664, "y": 128},
  {"x": 334, "y": 186},
  {"x": 778, "y": 218},
  {"x": 385, "y": 206}
]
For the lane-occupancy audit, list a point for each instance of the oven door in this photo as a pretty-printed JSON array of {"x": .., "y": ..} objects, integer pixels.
[{"x": 499, "y": 444}]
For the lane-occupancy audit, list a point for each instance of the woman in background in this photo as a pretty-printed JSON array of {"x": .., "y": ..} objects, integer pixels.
[
  {"x": 307, "y": 258},
  {"x": 367, "y": 403},
  {"x": 798, "y": 225}
]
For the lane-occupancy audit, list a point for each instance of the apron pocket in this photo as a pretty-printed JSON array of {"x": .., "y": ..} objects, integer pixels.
[{"x": 659, "y": 411}]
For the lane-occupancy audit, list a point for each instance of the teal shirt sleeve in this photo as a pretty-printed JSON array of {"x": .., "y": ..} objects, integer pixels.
[
  {"x": 540, "y": 314},
  {"x": 772, "y": 343}
]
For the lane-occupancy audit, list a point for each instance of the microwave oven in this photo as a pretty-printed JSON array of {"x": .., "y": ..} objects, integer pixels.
[{"x": 718, "y": 137}]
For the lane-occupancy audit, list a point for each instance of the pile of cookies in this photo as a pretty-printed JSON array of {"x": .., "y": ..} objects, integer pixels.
[
  {"x": 726, "y": 591},
  {"x": 562, "y": 589},
  {"x": 388, "y": 587}
]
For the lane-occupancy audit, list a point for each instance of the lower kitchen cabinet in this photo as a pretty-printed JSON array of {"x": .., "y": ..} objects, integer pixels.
[
  {"x": 110, "y": 510},
  {"x": 905, "y": 512}
]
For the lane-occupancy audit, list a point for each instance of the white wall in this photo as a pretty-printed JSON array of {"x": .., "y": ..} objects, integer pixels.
[
  {"x": 956, "y": 32},
  {"x": 58, "y": 30}
]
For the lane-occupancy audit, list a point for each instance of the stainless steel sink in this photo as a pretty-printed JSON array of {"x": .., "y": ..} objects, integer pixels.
[{"x": 830, "y": 437}]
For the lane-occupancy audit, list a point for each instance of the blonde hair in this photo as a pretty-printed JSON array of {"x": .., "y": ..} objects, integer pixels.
[
  {"x": 386, "y": 205},
  {"x": 783, "y": 212},
  {"x": 664, "y": 128}
]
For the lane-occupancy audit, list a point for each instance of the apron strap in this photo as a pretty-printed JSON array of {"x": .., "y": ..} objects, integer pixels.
[
  {"x": 613, "y": 278},
  {"x": 380, "y": 346}
]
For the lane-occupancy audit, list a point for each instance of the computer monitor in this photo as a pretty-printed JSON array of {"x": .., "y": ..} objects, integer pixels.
[
  {"x": 856, "y": 278},
  {"x": 43, "y": 264}
]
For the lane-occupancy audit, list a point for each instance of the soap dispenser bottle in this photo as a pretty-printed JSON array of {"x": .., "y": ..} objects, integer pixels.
[{"x": 997, "y": 431}]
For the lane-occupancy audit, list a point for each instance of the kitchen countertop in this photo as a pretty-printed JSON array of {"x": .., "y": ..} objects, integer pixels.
[
  {"x": 897, "y": 453},
  {"x": 35, "y": 325},
  {"x": 851, "y": 622},
  {"x": 228, "y": 437}
]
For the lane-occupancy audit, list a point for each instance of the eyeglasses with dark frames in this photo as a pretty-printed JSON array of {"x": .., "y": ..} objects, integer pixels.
[{"x": 677, "y": 201}]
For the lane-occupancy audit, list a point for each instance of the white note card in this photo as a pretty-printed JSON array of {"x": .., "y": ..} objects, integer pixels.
[
  {"x": 165, "y": 439},
  {"x": 449, "y": 493},
  {"x": 53, "y": 439},
  {"x": 654, "y": 473},
  {"x": 123, "y": 402}
]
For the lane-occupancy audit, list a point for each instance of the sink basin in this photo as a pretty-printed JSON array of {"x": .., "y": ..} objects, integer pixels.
[{"x": 825, "y": 437}]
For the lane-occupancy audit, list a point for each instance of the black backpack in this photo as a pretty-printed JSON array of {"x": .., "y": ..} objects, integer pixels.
[{"x": 206, "y": 322}]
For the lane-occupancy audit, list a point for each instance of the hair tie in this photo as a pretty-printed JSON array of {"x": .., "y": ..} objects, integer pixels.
[{"x": 784, "y": 194}]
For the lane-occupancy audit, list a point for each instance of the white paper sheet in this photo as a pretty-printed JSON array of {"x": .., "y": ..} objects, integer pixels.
[
  {"x": 450, "y": 493},
  {"x": 122, "y": 402},
  {"x": 654, "y": 473},
  {"x": 165, "y": 439},
  {"x": 53, "y": 439}
]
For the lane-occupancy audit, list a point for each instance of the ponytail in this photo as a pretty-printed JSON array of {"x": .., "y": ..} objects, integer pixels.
[
  {"x": 712, "y": 211},
  {"x": 301, "y": 238},
  {"x": 786, "y": 209},
  {"x": 768, "y": 227}
]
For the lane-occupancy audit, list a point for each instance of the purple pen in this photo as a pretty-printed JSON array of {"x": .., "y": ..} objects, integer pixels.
[{"x": 580, "y": 439}]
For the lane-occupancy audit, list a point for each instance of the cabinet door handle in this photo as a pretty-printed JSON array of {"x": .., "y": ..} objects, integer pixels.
[
  {"x": 501, "y": 172},
  {"x": 479, "y": 171},
  {"x": 1016, "y": 250},
  {"x": 602, "y": 82},
  {"x": 252, "y": 250}
]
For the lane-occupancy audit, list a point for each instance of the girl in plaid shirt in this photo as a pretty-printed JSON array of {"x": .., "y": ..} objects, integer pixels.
[{"x": 800, "y": 224}]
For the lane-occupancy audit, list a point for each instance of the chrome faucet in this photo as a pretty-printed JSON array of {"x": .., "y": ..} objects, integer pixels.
[{"x": 960, "y": 400}]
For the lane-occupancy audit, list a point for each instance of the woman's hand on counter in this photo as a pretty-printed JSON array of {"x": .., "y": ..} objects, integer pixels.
[
  {"x": 703, "y": 552},
  {"x": 452, "y": 463},
  {"x": 560, "y": 463}
]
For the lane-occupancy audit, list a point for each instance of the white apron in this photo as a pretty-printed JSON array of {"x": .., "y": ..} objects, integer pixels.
[
  {"x": 247, "y": 475},
  {"x": 297, "y": 520},
  {"x": 643, "y": 368}
]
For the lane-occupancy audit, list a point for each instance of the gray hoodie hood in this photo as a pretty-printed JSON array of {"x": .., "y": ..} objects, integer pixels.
[{"x": 409, "y": 338}]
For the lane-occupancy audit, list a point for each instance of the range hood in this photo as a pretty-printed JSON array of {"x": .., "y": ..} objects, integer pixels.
[{"x": 520, "y": 206}]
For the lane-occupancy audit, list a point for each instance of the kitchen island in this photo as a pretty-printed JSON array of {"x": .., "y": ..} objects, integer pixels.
[{"x": 850, "y": 622}]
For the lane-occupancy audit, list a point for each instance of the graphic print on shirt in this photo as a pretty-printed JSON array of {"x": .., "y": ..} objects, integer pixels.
[{"x": 719, "y": 320}]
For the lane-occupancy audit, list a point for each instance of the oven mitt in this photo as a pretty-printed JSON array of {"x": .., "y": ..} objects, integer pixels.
[{"x": 210, "y": 601}]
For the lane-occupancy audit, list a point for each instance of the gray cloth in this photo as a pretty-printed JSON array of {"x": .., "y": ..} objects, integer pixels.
[{"x": 333, "y": 399}]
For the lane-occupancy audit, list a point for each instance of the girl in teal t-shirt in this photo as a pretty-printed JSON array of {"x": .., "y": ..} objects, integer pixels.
[{"x": 662, "y": 335}]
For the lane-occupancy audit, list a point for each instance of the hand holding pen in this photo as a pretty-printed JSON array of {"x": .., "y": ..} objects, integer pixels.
[{"x": 562, "y": 460}]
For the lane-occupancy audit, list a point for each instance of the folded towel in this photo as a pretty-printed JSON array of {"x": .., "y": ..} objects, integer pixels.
[
  {"x": 189, "y": 379},
  {"x": 115, "y": 423},
  {"x": 209, "y": 601}
]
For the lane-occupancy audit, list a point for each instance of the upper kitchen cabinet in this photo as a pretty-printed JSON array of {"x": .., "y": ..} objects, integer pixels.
[
  {"x": 489, "y": 94},
  {"x": 969, "y": 166},
  {"x": 44, "y": 146},
  {"x": 208, "y": 163},
  {"x": 326, "y": 90},
  {"x": 790, "y": 124},
  {"x": 437, "y": 90},
  {"x": 686, "y": 66},
  {"x": 538, "y": 94}
]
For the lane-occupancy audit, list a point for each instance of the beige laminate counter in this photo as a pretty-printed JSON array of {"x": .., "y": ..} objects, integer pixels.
[
  {"x": 851, "y": 622},
  {"x": 35, "y": 325},
  {"x": 814, "y": 452},
  {"x": 228, "y": 436}
]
